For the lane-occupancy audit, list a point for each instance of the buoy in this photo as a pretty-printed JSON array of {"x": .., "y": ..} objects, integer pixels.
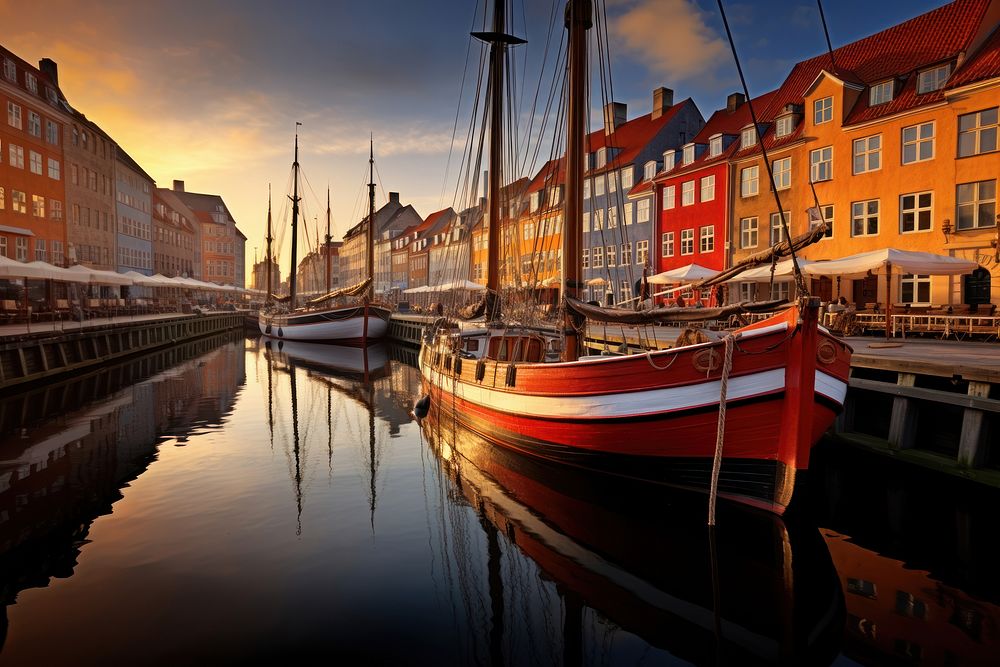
[{"x": 422, "y": 407}]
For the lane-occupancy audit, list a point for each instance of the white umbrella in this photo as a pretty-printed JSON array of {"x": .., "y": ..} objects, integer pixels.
[
  {"x": 783, "y": 269},
  {"x": 143, "y": 280},
  {"x": 462, "y": 284},
  {"x": 885, "y": 260},
  {"x": 99, "y": 277},
  {"x": 691, "y": 273},
  {"x": 417, "y": 290},
  {"x": 11, "y": 268}
]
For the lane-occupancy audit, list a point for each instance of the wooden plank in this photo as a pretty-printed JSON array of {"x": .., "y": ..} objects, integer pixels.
[
  {"x": 936, "y": 395},
  {"x": 972, "y": 447},
  {"x": 903, "y": 423}
]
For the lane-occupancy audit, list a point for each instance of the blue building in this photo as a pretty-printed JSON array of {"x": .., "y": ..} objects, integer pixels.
[{"x": 134, "y": 222}]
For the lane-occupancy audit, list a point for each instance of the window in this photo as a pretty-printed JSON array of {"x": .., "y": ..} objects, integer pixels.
[
  {"x": 749, "y": 180},
  {"x": 599, "y": 219},
  {"x": 748, "y": 137},
  {"x": 554, "y": 193},
  {"x": 14, "y": 115},
  {"x": 715, "y": 146},
  {"x": 687, "y": 241},
  {"x": 586, "y": 189},
  {"x": 31, "y": 82},
  {"x": 821, "y": 164},
  {"x": 626, "y": 254},
  {"x": 822, "y": 110},
  {"x": 54, "y": 169},
  {"x": 38, "y": 206},
  {"x": 777, "y": 232},
  {"x": 612, "y": 178},
  {"x": 9, "y": 69},
  {"x": 827, "y": 212},
  {"x": 34, "y": 124},
  {"x": 642, "y": 211},
  {"x": 864, "y": 218},
  {"x": 586, "y": 224},
  {"x": 535, "y": 198},
  {"x": 782, "y": 170},
  {"x": 918, "y": 143},
  {"x": 687, "y": 193},
  {"x": 748, "y": 291},
  {"x": 781, "y": 290},
  {"x": 40, "y": 250},
  {"x": 649, "y": 170},
  {"x": 599, "y": 185},
  {"x": 624, "y": 291},
  {"x": 915, "y": 212},
  {"x": 977, "y": 204},
  {"x": 868, "y": 154},
  {"x": 667, "y": 244},
  {"x": 57, "y": 253},
  {"x": 55, "y": 209},
  {"x": 784, "y": 126},
  {"x": 707, "y": 239},
  {"x": 612, "y": 254},
  {"x": 35, "y": 162},
  {"x": 3, "y": 246},
  {"x": 598, "y": 257},
  {"x": 689, "y": 154},
  {"x": 586, "y": 258},
  {"x": 21, "y": 249},
  {"x": 933, "y": 79},
  {"x": 748, "y": 233},
  {"x": 51, "y": 132},
  {"x": 602, "y": 157},
  {"x": 612, "y": 218},
  {"x": 915, "y": 289},
  {"x": 881, "y": 93},
  {"x": 628, "y": 214},
  {"x": 669, "y": 159},
  {"x": 708, "y": 188},
  {"x": 626, "y": 179},
  {"x": 977, "y": 132},
  {"x": 642, "y": 253},
  {"x": 3, "y": 200},
  {"x": 668, "y": 197},
  {"x": 18, "y": 201}
]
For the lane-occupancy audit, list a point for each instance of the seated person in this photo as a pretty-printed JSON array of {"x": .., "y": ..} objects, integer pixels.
[{"x": 679, "y": 301}]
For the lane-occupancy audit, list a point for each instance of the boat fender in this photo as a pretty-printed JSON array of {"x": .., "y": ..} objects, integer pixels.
[
  {"x": 422, "y": 406},
  {"x": 480, "y": 370},
  {"x": 280, "y": 333},
  {"x": 511, "y": 379}
]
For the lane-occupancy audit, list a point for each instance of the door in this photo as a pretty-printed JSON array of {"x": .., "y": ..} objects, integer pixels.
[
  {"x": 865, "y": 291},
  {"x": 977, "y": 287},
  {"x": 823, "y": 288}
]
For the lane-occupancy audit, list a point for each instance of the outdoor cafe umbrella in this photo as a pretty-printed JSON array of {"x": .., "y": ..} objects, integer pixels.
[
  {"x": 782, "y": 269},
  {"x": 691, "y": 273},
  {"x": 882, "y": 262},
  {"x": 462, "y": 284}
]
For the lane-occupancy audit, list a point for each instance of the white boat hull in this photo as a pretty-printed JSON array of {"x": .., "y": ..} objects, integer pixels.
[{"x": 343, "y": 326}]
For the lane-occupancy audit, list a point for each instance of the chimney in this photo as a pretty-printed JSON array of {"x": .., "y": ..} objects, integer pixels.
[
  {"x": 615, "y": 114},
  {"x": 393, "y": 197},
  {"x": 663, "y": 99},
  {"x": 178, "y": 186},
  {"x": 49, "y": 69},
  {"x": 735, "y": 101}
]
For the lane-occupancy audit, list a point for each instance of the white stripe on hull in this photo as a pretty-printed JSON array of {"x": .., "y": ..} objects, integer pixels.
[{"x": 329, "y": 331}]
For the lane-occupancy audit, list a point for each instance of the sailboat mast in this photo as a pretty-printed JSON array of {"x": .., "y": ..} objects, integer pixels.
[
  {"x": 267, "y": 255},
  {"x": 371, "y": 218},
  {"x": 579, "y": 19},
  {"x": 295, "y": 218},
  {"x": 328, "y": 239}
]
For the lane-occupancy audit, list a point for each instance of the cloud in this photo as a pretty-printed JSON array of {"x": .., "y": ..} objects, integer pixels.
[{"x": 671, "y": 37}]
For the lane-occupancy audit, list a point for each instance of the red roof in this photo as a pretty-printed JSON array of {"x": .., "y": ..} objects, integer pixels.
[
  {"x": 630, "y": 137},
  {"x": 984, "y": 64}
]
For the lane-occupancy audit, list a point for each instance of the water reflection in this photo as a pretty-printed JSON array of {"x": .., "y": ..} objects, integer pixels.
[{"x": 636, "y": 560}]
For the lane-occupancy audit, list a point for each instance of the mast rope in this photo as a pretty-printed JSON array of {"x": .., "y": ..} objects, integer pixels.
[{"x": 720, "y": 431}]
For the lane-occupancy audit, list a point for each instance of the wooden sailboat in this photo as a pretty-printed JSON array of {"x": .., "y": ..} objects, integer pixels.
[
  {"x": 357, "y": 323},
  {"x": 737, "y": 416}
]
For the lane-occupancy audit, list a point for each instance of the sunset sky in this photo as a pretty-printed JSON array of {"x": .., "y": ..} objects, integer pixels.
[{"x": 209, "y": 91}]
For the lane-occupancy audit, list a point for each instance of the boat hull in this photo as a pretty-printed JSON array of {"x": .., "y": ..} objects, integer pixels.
[
  {"x": 655, "y": 417},
  {"x": 341, "y": 326}
]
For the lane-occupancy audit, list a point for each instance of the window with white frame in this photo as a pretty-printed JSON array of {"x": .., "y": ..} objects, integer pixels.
[
  {"x": 933, "y": 79},
  {"x": 626, "y": 254},
  {"x": 599, "y": 219},
  {"x": 54, "y": 169},
  {"x": 51, "y": 132},
  {"x": 784, "y": 126},
  {"x": 3, "y": 246},
  {"x": 715, "y": 145},
  {"x": 528, "y": 231},
  {"x": 782, "y": 170},
  {"x": 915, "y": 212},
  {"x": 827, "y": 212},
  {"x": 642, "y": 211},
  {"x": 688, "y": 153},
  {"x": 687, "y": 241},
  {"x": 31, "y": 82},
  {"x": 35, "y": 162},
  {"x": 628, "y": 214},
  {"x": 599, "y": 185},
  {"x": 649, "y": 170},
  {"x": 687, "y": 193},
  {"x": 822, "y": 110},
  {"x": 667, "y": 244},
  {"x": 626, "y": 178},
  {"x": 708, "y": 188},
  {"x": 16, "y": 154},
  {"x": 55, "y": 209},
  {"x": 868, "y": 154},
  {"x": 748, "y": 291},
  {"x": 21, "y": 249},
  {"x": 612, "y": 178},
  {"x": 586, "y": 188},
  {"x": 602, "y": 157},
  {"x": 781, "y": 290},
  {"x": 918, "y": 143},
  {"x": 880, "y": 93},
  {"x": 914, "y": 288},
  {"x": 864, "y": 217},
  {"x": 612, "y": 254},
  {"x": 624, "y": 292},
  {"x": 748, "y": 233},
  {"x": 977, "y": 132},
  {"x": 34, "y": 124},
  {"x": 669, "y": 197},
  {"x": 9, "y": 69},
  {"x": 777, "y": 231},
  {"x": 599, "y": 257},
  {"x": 535, "y": 200},
  {"x": 977, "y": 204},
  {"x": 57, "y": 253},
  {"x": 40, "y": 254},
  {"x": 14, "y": 115},
  {"x": 706, "y": 239},
  {"x": 748, "y": 137},
  {"x": 586, "y": 221},
  {"x": 749, "y": 181},
  {"x": 554, "y": 195},
  {"x": 821, "y": 164},
  {"x": 586, "y": 258},
  {"x": 612, "y": 217},
  {"x": 669, "y": 159},
  {"x": 642, "y": 252}
]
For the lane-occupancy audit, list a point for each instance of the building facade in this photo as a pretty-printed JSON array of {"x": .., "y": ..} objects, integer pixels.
[
  {"x": 223, "y": 245},
  {"x": 175, "y": 235},
  {"x": 133, "y": 206},
  {"x": 91, "y": 231}
]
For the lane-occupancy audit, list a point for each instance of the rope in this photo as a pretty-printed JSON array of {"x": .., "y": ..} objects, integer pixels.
[{"x": 720, "y": 432}]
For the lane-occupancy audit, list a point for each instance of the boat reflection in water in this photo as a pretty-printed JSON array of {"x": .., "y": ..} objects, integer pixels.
[{"x": 758, "y": 589}]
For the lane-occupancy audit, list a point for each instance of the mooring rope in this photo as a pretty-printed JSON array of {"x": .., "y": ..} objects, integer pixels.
[{"x": 720, "y": 431}]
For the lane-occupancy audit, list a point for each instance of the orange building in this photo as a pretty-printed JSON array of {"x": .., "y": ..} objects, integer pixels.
[{"x": 513, "y": 204}]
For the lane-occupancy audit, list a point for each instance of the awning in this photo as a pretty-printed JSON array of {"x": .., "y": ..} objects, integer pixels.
[
  {"x": 16, "y": 230},
  {"x": 99, "y": 277},
  {"x": 461, "y": 284},
  {"x": 685, "y": 274},
  {"x": 10, "y": 268},
  {"x": 782, "y": 270},
  {"x": 903, "y": 261}
]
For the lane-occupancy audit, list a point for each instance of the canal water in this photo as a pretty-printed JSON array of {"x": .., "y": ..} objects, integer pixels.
[{"x": 227, "y": 501}]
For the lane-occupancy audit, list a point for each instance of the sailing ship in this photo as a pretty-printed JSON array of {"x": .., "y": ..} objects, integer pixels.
[
  {"x": 735, "y": 417},
  {"x": 322, "y": 319}
]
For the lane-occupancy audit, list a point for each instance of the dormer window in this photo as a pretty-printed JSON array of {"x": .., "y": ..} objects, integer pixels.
[
  {"x": 688, "y": 153},
  {"x": 588, "y": 161},
  {"x": 9, "y": 69},
  {"x": 627, "y": 178},
  {"x": 51, "y": 94},
  {"x": 649, "y": 170},
  {"x": 534, "y": 201},
  {"x": 554, "y": 196},
  {"x": 933, "y": 79},
  {"x": 881, "y": 93},
  {"x": 715, "y": 145},
  {"x": 669, "y": 159},
  {"x": 784, "y": 126},
  {"x": 31, "y": 82},
  {"x": 602, "y": 157},
  {"x": 748, "y": 137}
]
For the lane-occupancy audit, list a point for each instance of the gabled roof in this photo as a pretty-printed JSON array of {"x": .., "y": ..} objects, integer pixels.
[
  {"x": 127, "y": 160},
  {"x": 630, "y": 137},
  {"x": 42, "y": 78},
  {"x": 984, "y": 64}
]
